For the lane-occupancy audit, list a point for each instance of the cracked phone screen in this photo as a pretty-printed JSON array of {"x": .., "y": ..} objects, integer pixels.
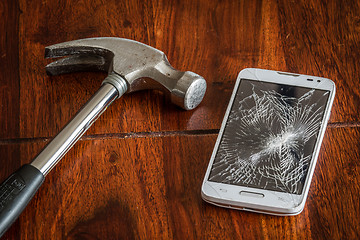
[{"x": 269, "y": 137}]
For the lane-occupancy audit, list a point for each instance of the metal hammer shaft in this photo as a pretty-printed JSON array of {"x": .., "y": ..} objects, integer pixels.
[{"x": 81, "y": 122}]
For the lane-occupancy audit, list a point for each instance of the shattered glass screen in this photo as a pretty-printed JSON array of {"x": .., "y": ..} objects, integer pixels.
[{"x": 270, "y": 136}]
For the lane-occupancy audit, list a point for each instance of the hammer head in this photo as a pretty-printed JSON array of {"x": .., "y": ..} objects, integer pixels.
[{"x": 142, "y": 66}]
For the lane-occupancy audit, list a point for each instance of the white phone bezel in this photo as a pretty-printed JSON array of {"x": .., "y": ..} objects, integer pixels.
[{"x": 272, "y": 202}]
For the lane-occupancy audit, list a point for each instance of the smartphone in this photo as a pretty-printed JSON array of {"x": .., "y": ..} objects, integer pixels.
[{"x": 269, "y": 141}]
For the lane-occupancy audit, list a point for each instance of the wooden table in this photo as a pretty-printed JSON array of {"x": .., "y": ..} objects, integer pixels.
[{"x": 137, "y": 172}]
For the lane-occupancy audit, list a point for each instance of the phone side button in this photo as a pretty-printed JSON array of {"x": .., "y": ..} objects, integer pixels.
[{"x": 251, "y": 194}]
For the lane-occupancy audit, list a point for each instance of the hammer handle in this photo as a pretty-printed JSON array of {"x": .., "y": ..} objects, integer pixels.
[{"x": 17, "y": 190}]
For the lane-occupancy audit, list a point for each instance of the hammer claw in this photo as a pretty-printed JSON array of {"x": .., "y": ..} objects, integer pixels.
[
  {"x": 77, "y": 63},
  {"x": 58, "y": 50}
]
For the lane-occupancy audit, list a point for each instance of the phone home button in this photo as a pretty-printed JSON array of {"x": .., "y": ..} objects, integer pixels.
[{"x": 251, "y": 194}]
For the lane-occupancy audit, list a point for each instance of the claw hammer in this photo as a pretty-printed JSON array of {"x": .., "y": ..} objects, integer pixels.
[{"x": 131, "y": 66}]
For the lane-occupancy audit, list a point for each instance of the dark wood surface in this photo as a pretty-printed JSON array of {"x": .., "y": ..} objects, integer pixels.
[{"x": 137, "y": 172}]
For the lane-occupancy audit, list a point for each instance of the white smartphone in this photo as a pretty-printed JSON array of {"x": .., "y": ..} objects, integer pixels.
[{"x": 268, "y": 144}]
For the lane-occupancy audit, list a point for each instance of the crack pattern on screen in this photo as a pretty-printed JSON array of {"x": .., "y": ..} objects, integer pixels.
[{"x": 269, "y": 138}]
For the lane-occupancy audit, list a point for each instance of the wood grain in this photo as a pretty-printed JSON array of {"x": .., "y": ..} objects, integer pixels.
[
  {"x": 149, "y": 187},
  {"x": 215, "y": 39},
  {"x": 9, "y": 74},
  {"x": 137, "y": 172}
]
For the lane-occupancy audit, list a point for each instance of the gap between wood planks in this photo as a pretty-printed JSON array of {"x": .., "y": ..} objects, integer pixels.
[{"x": 152, "y": 134}]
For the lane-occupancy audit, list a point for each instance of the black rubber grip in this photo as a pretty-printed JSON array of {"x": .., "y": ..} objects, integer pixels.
[{"x": 16, "y": 192}]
